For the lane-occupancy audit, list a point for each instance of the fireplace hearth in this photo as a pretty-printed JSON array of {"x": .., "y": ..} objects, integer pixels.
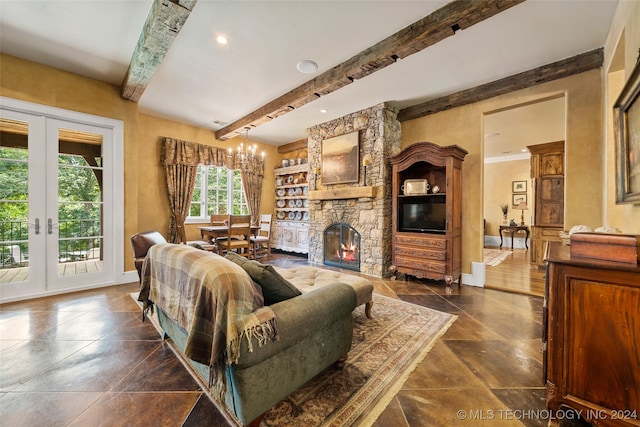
[{"x": 342, "y": 247}]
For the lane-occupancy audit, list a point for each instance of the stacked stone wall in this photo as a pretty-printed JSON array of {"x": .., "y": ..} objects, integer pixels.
[{"x": 379, "y": 138}]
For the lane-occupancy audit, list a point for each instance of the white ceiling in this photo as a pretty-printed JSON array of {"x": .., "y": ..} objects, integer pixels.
[{"x": 201, "y": 81}]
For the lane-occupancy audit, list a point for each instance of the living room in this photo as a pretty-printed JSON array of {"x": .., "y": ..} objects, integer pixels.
[
  {"x": 590, "y": 176},
  {"x": 590, "y": 183}
]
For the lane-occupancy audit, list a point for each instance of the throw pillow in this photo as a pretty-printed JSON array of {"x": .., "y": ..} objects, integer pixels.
[{"x": 275, "y": 288}]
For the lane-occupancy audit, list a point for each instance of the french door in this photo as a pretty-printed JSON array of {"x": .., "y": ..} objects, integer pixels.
[{"x": 57, "y": 222}]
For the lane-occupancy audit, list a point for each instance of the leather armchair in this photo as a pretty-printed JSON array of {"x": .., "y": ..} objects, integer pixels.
[{"x": 141, "y": 242}]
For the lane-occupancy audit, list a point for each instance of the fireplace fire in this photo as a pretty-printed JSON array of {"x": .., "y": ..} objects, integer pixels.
[{"x": 342, "y": 246}]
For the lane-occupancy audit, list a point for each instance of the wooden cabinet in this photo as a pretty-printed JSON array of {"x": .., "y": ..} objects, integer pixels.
[
  {"x": 547, "y": 173},
  {"x": 592, "y": 338},
  {"x": 427, "y": 227},
  {"x": 290, "y": 236},
  {"x": 291, "y": 229}
]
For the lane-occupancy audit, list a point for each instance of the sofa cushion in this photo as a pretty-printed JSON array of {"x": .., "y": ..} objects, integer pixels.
[{"x": 275, "y": 288}]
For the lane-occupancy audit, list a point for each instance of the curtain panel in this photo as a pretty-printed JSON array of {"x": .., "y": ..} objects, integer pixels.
[{"x": 181, "y": 159}]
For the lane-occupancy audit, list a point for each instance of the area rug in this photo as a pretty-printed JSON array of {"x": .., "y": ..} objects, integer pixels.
[
  {"x": 494, "y": 257},
  {"x": 386, "y": 350}
]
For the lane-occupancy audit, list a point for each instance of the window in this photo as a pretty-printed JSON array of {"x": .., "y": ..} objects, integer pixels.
[{"x": 218, "y": 190}]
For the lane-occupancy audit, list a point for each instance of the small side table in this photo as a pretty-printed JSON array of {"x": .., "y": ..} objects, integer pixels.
[{"x": 513, "y": 229}]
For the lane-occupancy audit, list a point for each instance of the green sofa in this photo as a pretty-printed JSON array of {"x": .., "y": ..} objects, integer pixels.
[{"x": 315, "y": 330}]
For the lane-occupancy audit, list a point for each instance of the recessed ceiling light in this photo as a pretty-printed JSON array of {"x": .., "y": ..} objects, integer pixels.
[
  {"x": 221, "y": 39},
  {"x": 492, "y": 135},
  {"x": 323, "y": 110},
  {"x": 524, "y": 150},
  {"x": 307, "y": 66}
]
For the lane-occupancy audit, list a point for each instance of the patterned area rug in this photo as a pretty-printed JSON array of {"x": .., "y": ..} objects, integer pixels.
[
  {"x": 385, "y": 350},
  {"x": 494, "y": 257}
]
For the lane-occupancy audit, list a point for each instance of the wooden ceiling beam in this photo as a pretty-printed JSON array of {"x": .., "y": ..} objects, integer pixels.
[
  {"x": 298, "y": 145},
  {"x": 546, "y": 73},
  {"x": 165, "y": 20},
  {"x": 443, "y": 23}
]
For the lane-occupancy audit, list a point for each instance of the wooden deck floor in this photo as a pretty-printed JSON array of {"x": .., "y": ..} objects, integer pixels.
[{"x": 20, "y": 274}]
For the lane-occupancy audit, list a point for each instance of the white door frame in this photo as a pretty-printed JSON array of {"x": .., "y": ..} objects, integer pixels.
[{"x": 113, "y": 202}]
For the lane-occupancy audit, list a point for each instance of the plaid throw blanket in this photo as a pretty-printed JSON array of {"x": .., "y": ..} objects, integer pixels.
[{"x": 213, "y": 299}]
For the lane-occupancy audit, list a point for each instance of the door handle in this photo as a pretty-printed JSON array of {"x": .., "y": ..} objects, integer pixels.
[
  {"x": 50, "y": 226},
  {"x": 36, "y": 226}
]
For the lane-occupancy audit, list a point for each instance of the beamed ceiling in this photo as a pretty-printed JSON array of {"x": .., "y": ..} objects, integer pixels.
[{"x": 420, "y": 56}]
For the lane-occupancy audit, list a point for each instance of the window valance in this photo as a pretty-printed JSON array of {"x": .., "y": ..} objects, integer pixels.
[{"x": 179, "y": 152}]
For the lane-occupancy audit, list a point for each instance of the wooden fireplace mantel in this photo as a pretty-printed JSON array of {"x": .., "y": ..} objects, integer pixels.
[{"x": 344, "y": 193}]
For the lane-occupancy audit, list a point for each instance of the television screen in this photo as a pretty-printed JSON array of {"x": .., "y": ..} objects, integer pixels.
[{"x": 423, "y": 217}]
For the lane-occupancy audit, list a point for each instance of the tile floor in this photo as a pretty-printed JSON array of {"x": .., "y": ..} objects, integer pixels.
[{"x": 85, "y": 359}]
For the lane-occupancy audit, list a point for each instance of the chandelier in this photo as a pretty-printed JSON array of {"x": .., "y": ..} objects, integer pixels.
[{"x": 246, "y": 155}]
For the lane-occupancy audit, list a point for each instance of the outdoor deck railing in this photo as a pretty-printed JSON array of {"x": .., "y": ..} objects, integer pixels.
[{"x": 77, "y": 240}]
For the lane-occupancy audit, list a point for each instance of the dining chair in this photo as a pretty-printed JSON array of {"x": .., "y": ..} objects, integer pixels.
[
  {"x": 239, "y": 232},
  {"x": 261, "y": 243},
  {"x": 219, "y": 219}
]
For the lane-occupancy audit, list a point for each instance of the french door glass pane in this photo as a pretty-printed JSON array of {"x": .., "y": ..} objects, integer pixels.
[
  {"x": 14, "y": 201},
  {"x": 80, "y": 203}
]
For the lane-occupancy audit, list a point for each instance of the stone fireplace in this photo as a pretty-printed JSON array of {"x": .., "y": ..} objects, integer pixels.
[{"x": 362, "y": 207}]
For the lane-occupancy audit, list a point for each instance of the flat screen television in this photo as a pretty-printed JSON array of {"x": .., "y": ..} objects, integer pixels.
[{"x": 423, "y": 217}]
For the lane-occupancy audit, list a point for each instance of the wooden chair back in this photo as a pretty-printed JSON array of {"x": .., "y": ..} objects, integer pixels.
[
  {"x": 240, "y": 231},
  {"x": 265, "y": 225},
  {"x": 261, "y": 244},
  {"x": 219, "y": 219}
]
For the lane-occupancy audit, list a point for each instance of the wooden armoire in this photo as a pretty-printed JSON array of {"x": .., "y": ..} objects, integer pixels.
[
  {"x": 427, "y": 226},
  {"x": 547, "y": 173}
]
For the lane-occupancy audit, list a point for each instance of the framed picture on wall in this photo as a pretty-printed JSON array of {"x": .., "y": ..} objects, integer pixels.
[
  {"x": 517, "y": 198},
  {"x": 340, "y": 159},
  {"x": 626, "y": 116},
  {"x": 519, "y": 186}
]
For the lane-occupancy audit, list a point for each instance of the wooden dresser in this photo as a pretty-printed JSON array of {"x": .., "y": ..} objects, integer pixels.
[{"x": 591, "y": 337}]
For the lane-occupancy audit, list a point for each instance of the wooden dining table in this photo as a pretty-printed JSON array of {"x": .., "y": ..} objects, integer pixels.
[{"x": 212, "y": 232}]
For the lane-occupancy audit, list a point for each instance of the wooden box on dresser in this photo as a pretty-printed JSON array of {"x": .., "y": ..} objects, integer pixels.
[
  {"x": 427, "y": 228},
  {"x": 591, "y": 336},
  {"x": 290, "y": 231}
]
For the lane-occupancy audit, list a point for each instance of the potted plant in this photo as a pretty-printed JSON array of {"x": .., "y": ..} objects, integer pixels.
[{"x": 504, "y": 208}]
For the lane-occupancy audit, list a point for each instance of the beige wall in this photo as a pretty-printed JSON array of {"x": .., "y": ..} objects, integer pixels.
[
  {"x": 584, "y": 150},
  {"x": 498, "y": 178},
  {"x": 146, "y": 202},
  {"x": 621, "y": 54}
]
